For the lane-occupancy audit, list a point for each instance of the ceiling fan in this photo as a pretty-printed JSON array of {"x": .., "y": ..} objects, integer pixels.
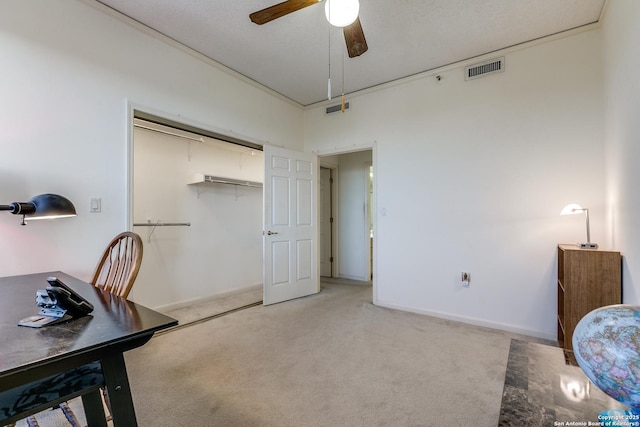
[{"x": 353, "y": 34}]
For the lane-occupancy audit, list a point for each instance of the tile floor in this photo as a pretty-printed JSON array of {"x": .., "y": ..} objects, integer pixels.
[{"x": 544, "y": 386}]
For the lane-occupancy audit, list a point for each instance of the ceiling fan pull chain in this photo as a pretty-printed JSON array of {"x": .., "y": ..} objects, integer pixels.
[
  {"x": 329, "y": 79},
  {"x": 342, "y": 107}
]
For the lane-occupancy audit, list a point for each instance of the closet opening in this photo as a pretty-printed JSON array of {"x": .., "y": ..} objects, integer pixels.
[{"x": 197, "y": 205}]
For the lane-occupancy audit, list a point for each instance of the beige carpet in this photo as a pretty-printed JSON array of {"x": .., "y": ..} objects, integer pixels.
[{"x": 332, "y": 359}]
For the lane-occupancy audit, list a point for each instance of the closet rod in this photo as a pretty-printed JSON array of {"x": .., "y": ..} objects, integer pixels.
[{"x": 168, "y": 133}]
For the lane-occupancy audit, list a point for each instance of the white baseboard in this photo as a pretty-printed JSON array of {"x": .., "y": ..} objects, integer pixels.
[
  {"x": 351, "y": 277},
  {"x": 219, "y": 295},
  {"x": 470, "y": 320}
]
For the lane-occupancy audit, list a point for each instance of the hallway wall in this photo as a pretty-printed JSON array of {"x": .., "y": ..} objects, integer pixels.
[{"x": 353, "y": 252}]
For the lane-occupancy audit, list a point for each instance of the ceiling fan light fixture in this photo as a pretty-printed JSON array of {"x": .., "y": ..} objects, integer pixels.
[{"x": 341, "y": 13}]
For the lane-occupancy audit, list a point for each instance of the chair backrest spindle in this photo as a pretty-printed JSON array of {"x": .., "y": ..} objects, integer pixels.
[{"x": 119, "y": 265}]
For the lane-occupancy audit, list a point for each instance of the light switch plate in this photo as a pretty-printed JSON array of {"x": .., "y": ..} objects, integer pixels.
[{"x": 95, "y": 205}]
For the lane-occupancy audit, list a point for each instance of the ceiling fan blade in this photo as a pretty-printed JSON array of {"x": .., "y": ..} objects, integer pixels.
[
  {"x": 281, "y": 9},
  {"x": 354, "y": 37}
]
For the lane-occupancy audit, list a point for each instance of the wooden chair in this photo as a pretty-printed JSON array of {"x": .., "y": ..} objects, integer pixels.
[
  {"x": 119, "y": 265},
  {"x": 116, "y": 271}
]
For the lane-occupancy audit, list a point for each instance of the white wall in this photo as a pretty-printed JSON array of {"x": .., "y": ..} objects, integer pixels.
[
  {"x": 221, "y": 251},
  {"x": 69, "y": 70},
  {"x": 352, "y": 215},
  {"x": 471, "y": 176},
  {"x": 622, "y": 59}
]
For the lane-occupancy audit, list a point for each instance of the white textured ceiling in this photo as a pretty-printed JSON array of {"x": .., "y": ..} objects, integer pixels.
[{"x": 290, "y": 55}]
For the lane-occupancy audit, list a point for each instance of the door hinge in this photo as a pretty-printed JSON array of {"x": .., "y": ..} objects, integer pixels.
[
  {"x": 331, "y": 220},
  {"x": 330, "y": 180},
  {"x": 330, "y": 259}
]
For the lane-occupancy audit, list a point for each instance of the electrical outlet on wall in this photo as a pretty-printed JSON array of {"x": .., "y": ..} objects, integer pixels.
[{"x": 465, "y": 278}]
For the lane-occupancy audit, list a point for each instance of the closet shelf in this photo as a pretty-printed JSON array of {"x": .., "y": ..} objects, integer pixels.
[{"x": 210, "y": 179}]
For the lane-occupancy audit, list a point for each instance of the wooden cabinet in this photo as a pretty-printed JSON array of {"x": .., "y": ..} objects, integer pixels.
[{"x": 587, "y": 279}]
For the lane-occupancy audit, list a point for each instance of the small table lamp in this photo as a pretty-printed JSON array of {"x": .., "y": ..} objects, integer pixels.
[
  {"x": 572, "y": 209},
  {"x": 43, "y": 206}
]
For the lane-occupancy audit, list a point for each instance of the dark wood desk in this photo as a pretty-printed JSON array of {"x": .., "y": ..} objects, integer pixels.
[{"x": 41, "y": 367}]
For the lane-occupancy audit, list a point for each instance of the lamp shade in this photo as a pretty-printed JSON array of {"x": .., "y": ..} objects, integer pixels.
[
  {"x": 41, "y": 207},
  {"x": 51, "y": 206},
  {"x": 341, "y": 13},
  {"x": 571, "y": 209}
]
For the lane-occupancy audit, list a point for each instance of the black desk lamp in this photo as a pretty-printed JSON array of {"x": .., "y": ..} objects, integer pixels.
[{"x": 43, "y": 206}]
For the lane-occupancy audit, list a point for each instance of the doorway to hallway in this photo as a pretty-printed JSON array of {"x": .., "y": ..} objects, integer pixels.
[{"x": 346, "y": 216}]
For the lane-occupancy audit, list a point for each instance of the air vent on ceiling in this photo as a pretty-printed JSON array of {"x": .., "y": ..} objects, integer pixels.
[
  {"x": 336, "y": 108},
  {"x": 480, "y": 70}
]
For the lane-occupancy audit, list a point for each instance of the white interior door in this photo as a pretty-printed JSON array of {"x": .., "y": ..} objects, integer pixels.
[{"x": 290, "y": 235}]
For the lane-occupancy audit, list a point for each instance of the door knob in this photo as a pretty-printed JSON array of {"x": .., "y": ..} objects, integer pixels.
[{"x": 269, "y": 233}]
